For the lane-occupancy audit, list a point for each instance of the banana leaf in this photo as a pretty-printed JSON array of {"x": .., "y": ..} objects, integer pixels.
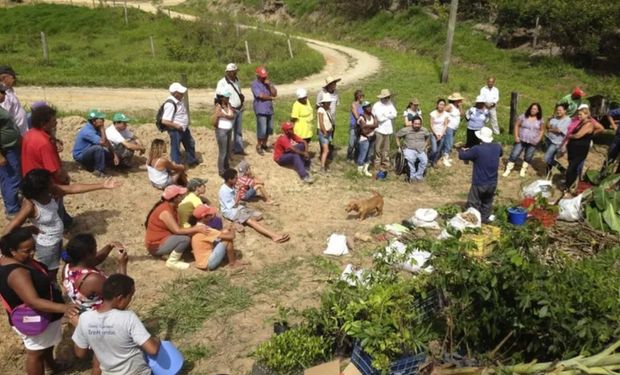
[
  {"x": 592, "y": 177},
  {"x": 614, "y": 198},
  {"x": 594, "y": 218},
  {"x": 611, "y": 218},
  {"x": 609, "y": 181},
  {"x": 600, "y": 198}
]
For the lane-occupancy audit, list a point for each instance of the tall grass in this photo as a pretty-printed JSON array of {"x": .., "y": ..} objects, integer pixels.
[{"x": 95, "y": 47}]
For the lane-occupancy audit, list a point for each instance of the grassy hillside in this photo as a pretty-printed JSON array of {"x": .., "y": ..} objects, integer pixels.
[{"x": 95, "y": 47}]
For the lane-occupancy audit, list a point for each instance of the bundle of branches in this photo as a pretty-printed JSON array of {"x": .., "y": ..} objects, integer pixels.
[{"x": 577, "y": 241}]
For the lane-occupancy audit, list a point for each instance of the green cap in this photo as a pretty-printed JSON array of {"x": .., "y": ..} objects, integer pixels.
[
  {"x": 120, "y": 117},
  {"x": 365, "y": 103},
  {"x": 95, "y": 113}
]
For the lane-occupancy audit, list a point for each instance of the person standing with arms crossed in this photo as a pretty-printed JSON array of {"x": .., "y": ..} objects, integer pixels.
[
  {"x": 264, "y": 93},
  {"x": 490, "y": 95},
  {"x": 230, "y": 83}
]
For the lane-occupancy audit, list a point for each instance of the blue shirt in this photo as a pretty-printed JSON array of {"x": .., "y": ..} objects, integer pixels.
[
  {"x": 261, "y": 107},
  {"x": 86, "y": 137},
  {"x": 352, "y": 120},
  {"x": 486, "y": 162},
  {"x": 476, "y": 118}
]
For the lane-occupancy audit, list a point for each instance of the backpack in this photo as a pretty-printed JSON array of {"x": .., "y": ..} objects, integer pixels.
[{"x": 160, "y": 114}]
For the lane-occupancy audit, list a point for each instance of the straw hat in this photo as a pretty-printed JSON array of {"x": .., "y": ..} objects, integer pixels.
[
  {"x": 330, "y": 80},
  {"x": 455, "y": 96},
  {"x": 385, "y": 93}
]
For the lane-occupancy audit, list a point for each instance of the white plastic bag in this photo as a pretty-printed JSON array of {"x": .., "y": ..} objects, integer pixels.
[
  {"x": 459, "y": 222},
  {"x": 413, "y": 261},
  {"x": 353, "y": 276},
  {"x": 570, "y": 209},
  {"x": 425, "y": 218},
  {"x": 337, "y": 245},
  {"x": 396, "y": 229},
  {"x": 542, "y": 187}
]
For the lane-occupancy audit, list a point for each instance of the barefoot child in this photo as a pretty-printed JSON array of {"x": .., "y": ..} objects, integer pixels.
[
  {"x": 233, "y": 211},
  {"x": 248, "y": 185}
]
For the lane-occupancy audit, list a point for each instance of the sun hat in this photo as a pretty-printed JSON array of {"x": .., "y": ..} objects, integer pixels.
[
  {"x": 330, "y": 80},
  {"x": 193, "y": 184},
  {"x": 414, "y": 101},
  {"x": 301, "y": 93},
  {"x": 364, "y": 103},
  {"x": 120, "y": 117},
  {"x": 455, "y": 96},
  {"x": 173, "y": 191},
  {"x": 286, "y": 126},
  {"x": 385, "y": 93},
  {"x": 327, "y": 98},
  {"x": 95, "y": 114},
  {"x": 578, "y": 92},
  {"x": 261, "y": 72},
  {"x": 231, "y": 67},
  {"x": 485, "y": 135},
  {"x": 177, "y": 87},
  {"x": 243, "y": 167},
  {"x": 480, "y": 99},
  {"x": 203, "y": 210},
  {"x": 6, "y": 69}
]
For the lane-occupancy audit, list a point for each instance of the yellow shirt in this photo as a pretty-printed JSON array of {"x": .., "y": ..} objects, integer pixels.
[
  {"x": 186, "y": 208},
  {"x": 304, "y": 115}
]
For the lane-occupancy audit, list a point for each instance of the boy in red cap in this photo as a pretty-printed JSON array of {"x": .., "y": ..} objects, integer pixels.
[
  {"x": 264, "y": 93},
  {"x": 291, "y": 150},
  {"x": 572, "y": 101}
]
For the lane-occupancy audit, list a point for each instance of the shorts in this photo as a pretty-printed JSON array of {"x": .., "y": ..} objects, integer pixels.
[
  {"x": 47, "y": 339},
  {"x": 250, "y": 194},
  {"x": 168, "y": 182},
  {"x": 244, "y": 214},
  {"x": 264, "y": 126},
  {"x": 49, "y": 255},
  {"x": 325, "y": 139}
]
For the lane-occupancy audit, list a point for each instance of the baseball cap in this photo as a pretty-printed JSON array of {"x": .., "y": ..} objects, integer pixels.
[
  {"x": 195, "y": 182},
  {"x": 327, "y": 98},
  {"x": 301, "y": 93},
  {"x": 177, "y": 87},
  {"x": 365, "y": 103},
  {"x": 243, "y": 167},
  {"x": 578, "y": 92},
  {"x": 120, "y": 117},
  {"x": 231, "y": 67},
  {"x": 203, "y": 210},
  {"x": 94, "y": 114},
  {"x": 6, "y": 69},
  {"x": 227, "y": 94},
  {"x": 287, "y": 126},
  {"x": 261, "y": 72},
  {"x": 173, "y": 191}
]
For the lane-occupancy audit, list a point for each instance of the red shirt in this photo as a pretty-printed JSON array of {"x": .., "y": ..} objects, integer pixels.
[
  {"x": 283, "y": 143},
  {"x": 38, "y": 152},
  {"x": 156, "y": 230},
  {"x": 244, "y": 183}
]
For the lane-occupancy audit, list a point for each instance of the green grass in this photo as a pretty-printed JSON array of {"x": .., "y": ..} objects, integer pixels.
[
  {"x": 95, "y": 47},
  {"x": 276, "y": 278}
]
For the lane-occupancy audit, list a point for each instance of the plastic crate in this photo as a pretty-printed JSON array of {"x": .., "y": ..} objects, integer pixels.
[
  {"x": 404, "y": 366},
  {"x": 428, "y": 307}
]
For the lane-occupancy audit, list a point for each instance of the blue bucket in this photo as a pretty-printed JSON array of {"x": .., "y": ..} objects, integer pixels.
[
  {"x": 168, "y": 361},
  {"x": 517, "y": 215}
]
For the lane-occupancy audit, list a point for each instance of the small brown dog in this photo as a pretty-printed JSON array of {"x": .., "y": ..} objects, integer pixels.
[{"x": 367, "y": 206}]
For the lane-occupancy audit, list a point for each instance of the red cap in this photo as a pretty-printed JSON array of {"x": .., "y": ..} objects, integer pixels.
[
  {"x": 203, "y": 210},
  {"x": 578, "y": 92},
  {"x": 173, "y": 191},
  {"x": 286, "y": 126},
  {"x": 261, "y": 72}
]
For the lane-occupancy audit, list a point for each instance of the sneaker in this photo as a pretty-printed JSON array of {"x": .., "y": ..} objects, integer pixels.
[
  {"x": 308, "y": 180},
  {"x": 446, "y": 162}
]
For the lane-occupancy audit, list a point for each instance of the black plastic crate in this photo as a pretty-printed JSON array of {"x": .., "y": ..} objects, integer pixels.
[{"x": 408, "y": 365}]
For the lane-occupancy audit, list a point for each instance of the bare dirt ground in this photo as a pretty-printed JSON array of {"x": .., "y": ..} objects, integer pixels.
[
  {"x": 350, "y": 64},
  {"x": 308, "y": 213}
]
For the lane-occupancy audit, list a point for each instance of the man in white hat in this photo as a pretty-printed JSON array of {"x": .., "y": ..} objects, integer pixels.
[
  {"x": 490, "y": 96},
  {"x": 176, "y": 122},
  {"x": 385, "y": 112},
  {"x": 486, "y": 158},
  {"x": 230, "y": 83}
]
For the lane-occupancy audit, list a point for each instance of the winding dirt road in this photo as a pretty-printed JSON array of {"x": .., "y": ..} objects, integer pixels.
[{"x": 347, "y": 63}]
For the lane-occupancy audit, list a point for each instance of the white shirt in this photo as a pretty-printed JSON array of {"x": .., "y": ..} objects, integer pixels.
[
  {"x": 332, "y": 105},
  {"x": 180, "y": 117},
  {"x": 227, "y": 201},
  {"x": 437, "y": 121},
  {"x": 223, "y": 86},
  {"x": 327, "y": 122},
  {"x": 490, "y": 95},
  {"x": 117, "y": 137},
  {"x": 384, "y": 113},
  {"x": 455, "y": 117},
  {"x": 15, "y": 109},
  {"x": 225, "y": 123}
]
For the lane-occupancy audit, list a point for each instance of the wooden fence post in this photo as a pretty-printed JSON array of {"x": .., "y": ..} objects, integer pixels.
[
  {"x": 125, "y": 9},
  {"x": 536, "y": 31},
  {"x": 152, "y": 46},
  {"x": 247, "y": 52},
  {"x": 454, "y": 4},
  {"x": 44, "y": 46},
  {"x": 514, "y": 104},
  {"x": 290, "y": 49}
]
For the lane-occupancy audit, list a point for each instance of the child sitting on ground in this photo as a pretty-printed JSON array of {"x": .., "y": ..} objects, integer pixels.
[
  {"x": 239, "y": 214},
  {"x": 116, "y": 335},
  {"x": 211, "y": 248},
  {"x": 249, "y": 185}
]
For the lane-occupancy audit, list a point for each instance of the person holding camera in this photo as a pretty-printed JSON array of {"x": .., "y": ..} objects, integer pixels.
[{"x": 230, "y": 83}]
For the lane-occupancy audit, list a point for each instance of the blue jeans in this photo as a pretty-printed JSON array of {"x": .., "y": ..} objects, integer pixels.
[
  {"x": 185, "y": 137},
  {"x": 325, "y": 139},
  {"x": 365, "y": 150},
  {"x": 353, "y": 141},
  {"x": 412, "y": 157},
  {"x": 520, "y": 147},
  {"x": 436, "y": 148},
  {"x": 94, "y": 158},
  {"x": 217, "y": 256},
  {"x": 264, "y": 126},
  {"x": 238, "y": 130},
  {"x": 552, "y": 150},
  {"x": 10, "y": 179},
  {"x": 448, "y": 141},
  {"x": 223, "y": 146}
]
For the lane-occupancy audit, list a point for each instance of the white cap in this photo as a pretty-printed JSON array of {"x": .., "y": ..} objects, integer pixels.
[
  {"x": 231, "y": 67},
  {"x": 177, "y": 87},
  {"x": 582, "y": 106},
  {"x": 485, "y": 134},
  {"x": 327, "y": 98},
  {"x": 480, "y": 99},
  {"x": 301, "y": 93}
]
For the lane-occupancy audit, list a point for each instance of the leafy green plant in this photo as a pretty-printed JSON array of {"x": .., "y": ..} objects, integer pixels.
[{"x": 602, "y": 205}]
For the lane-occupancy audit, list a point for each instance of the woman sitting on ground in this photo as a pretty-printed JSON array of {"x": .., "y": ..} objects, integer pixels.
[
  {"x": 163, "y": 172},
  {"x": 528, "y": 132},
  {"x": 164, "y": 236},
  {"x": 23, "y": 280}
]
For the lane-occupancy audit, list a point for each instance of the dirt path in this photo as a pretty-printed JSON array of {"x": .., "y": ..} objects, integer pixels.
[{"x": 347, "y": 63}]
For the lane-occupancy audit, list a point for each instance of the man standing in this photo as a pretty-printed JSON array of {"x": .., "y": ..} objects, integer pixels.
[
  {"x": 40, "y": 151},
  {"x": 230, "y": 83},
  {"x": 330, "y": 88},
  {"x": 92, "y": 149},
  {"x": 385, "y": 112},
  {"x": 486, "y": 158},
  {"x": 176, "y": 120},
  {"x": 11, "y": 103},
  {"x": 572, "y": 101},
  {"x": 10, "y": 177},
  {"x": 490, "y": 95},
  {"x": 264, "y": 93},
  {"x": 124, "y": 142}
]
